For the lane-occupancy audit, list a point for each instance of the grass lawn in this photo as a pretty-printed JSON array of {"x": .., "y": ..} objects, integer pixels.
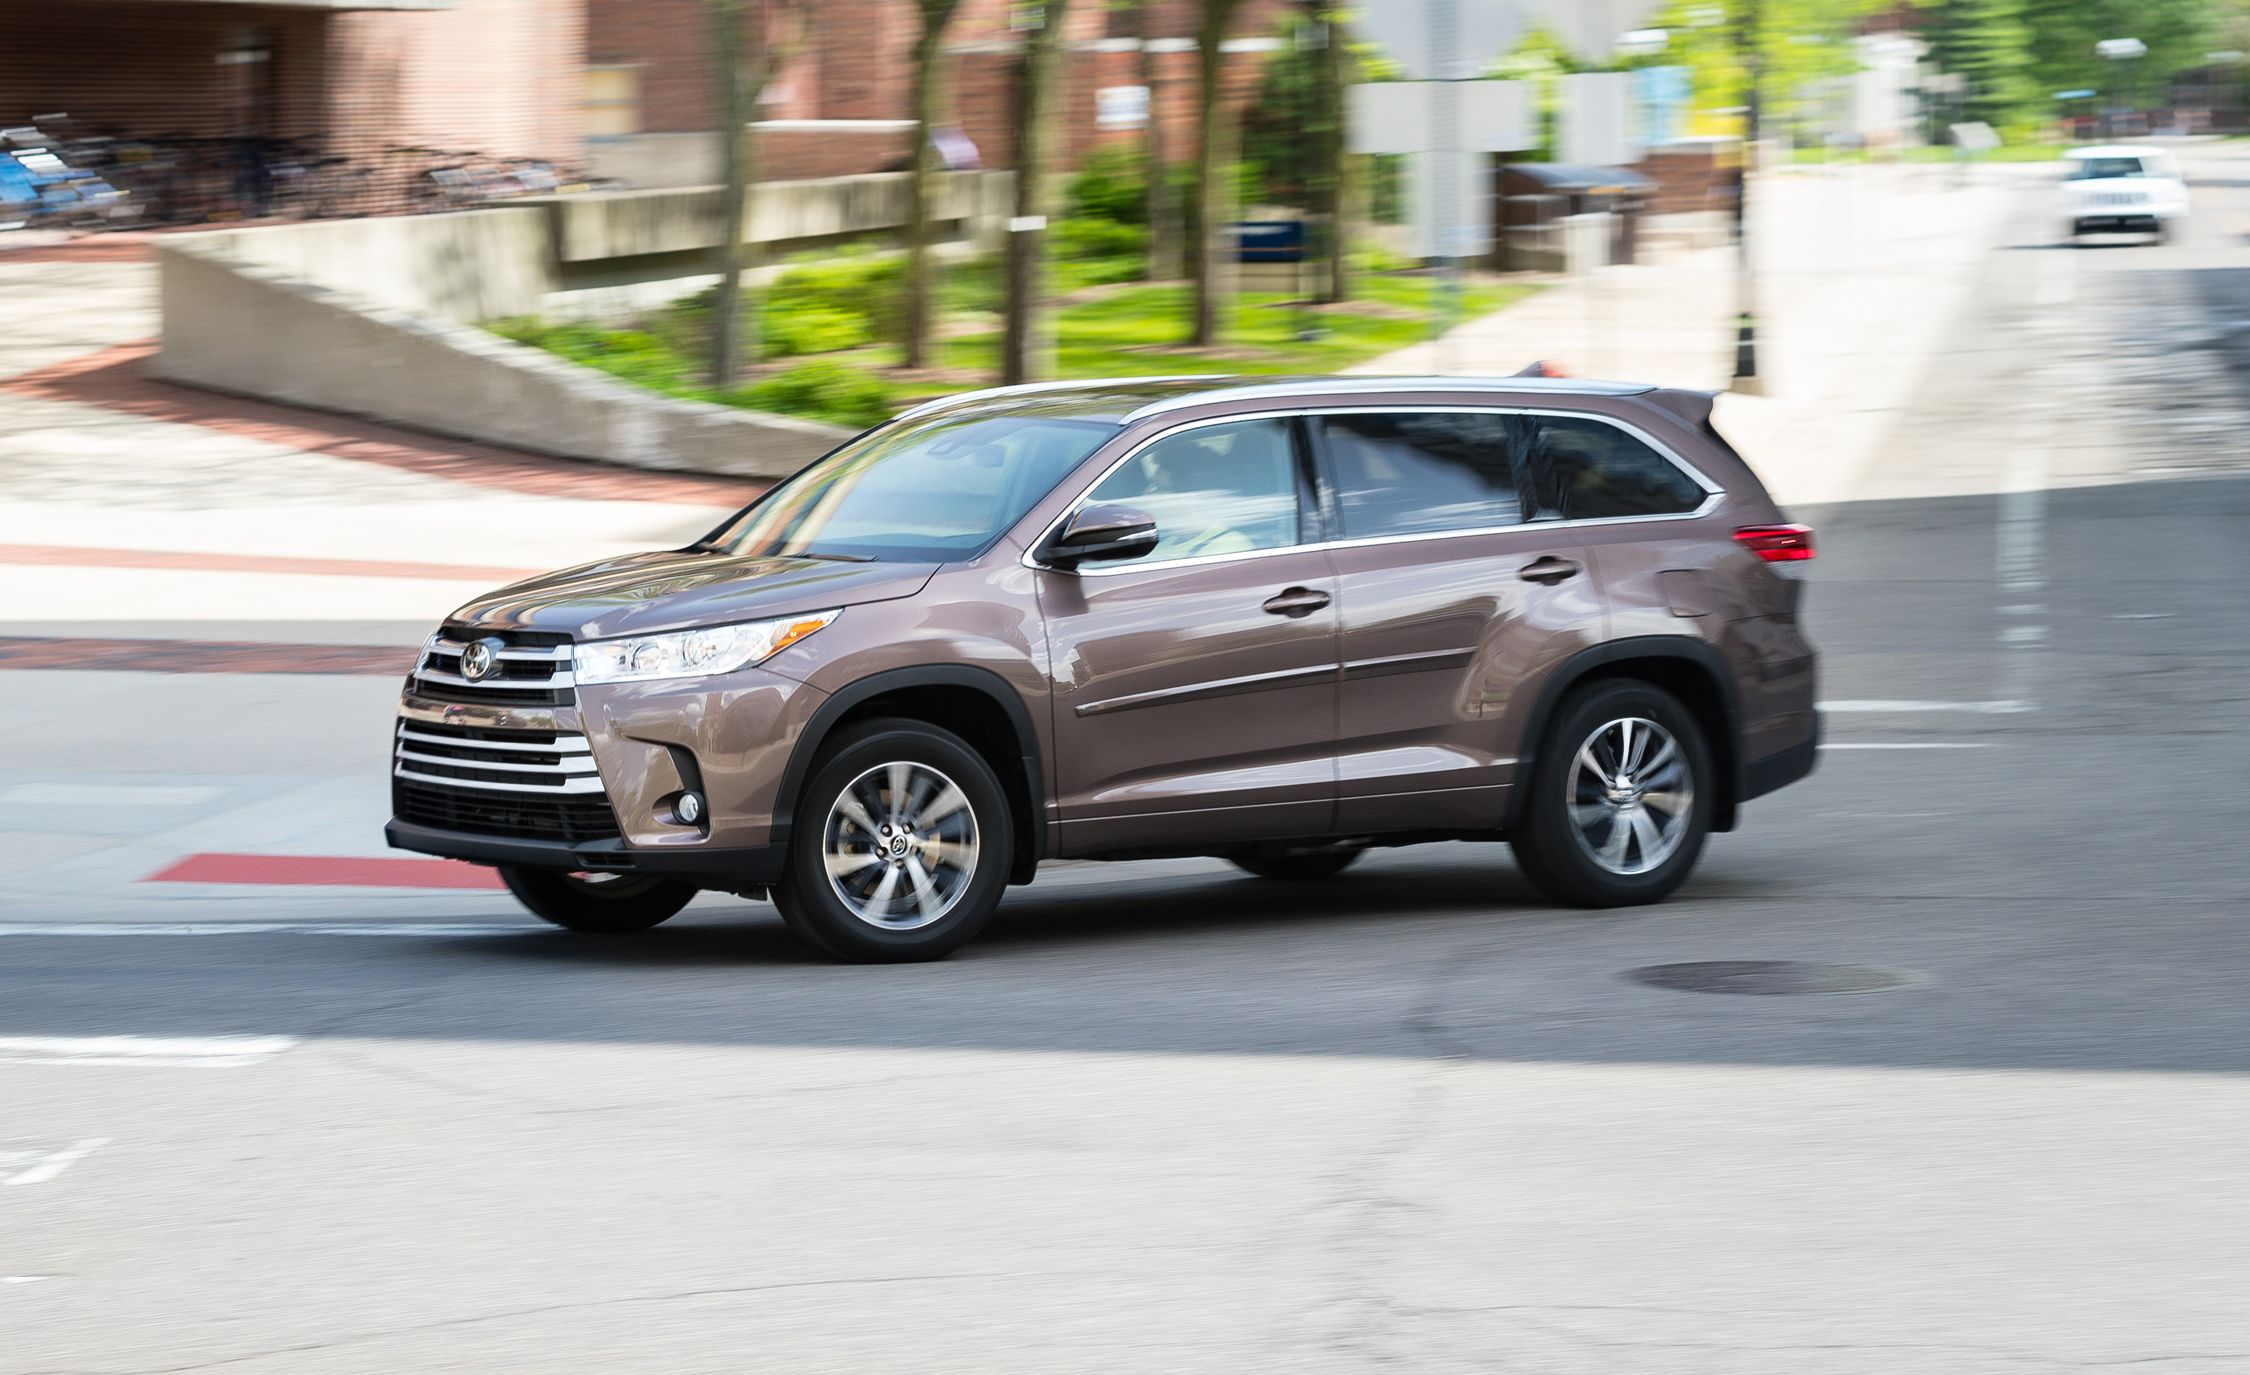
[
  {"x": 2007, "y": 152},
  {"x": 1114, "y": 331},
  {"x": 1137, "y": 329}
]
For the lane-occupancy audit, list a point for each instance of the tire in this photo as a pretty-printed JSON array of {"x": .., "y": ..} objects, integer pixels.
[
  {"x": 1567, "y": 842},
  {"x": 943, "y": 879},
  {"x": 1294, "y": 866},
  {"x": 609, "y": 903}
]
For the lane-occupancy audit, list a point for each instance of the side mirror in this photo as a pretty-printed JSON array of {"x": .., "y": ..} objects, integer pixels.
[{"x": 1102, "y": 532}]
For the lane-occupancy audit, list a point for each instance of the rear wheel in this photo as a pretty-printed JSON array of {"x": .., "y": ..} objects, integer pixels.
[
  {"x": 1621, "y": 798},
  {"x": 901, "y": 846},
  {"x": 597, "y": 902},
  {"x": 1294, "y": 865}
]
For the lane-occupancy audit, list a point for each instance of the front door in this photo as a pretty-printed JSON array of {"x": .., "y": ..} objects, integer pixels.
[{"x": 1195, "y": 687}]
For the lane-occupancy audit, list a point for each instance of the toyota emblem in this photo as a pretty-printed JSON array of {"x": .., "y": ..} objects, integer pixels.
[{"x": 479, "y": 660}]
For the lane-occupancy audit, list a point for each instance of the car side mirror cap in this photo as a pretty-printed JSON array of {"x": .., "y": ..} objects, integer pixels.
[{"x": 1102, "y": 532}]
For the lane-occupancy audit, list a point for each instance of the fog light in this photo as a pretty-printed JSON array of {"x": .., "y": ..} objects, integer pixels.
[{"x": 689, "y": 808}]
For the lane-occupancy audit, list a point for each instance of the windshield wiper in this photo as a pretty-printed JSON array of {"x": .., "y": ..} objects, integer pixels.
[{"x": 833, "y": 557}]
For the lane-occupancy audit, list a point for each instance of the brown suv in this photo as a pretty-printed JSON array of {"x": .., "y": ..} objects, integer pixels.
[{"x": 1279, "y": 622}]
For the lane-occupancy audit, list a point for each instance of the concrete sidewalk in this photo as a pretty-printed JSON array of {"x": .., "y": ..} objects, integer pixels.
[{"x": 1861, "y": 271}]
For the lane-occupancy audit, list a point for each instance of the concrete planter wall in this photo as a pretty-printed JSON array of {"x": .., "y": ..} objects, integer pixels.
[{"x": 257, "y": 331}]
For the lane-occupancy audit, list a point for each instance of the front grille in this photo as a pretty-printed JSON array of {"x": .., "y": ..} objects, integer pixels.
[
  {"x": 531, "y": 668},
  {"x": 525, "y": 784},
  {"x": 516, "y": 816}
]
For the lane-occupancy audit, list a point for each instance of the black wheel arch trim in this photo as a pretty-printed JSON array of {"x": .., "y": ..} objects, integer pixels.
[
  {"x": 1588, "y": 662},
  {"x": 981, "y": 680}
]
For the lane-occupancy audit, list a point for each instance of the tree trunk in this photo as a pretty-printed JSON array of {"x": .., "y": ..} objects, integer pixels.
[
  {"x": 1025, "y": 351},
  {"x": 1163, "y": 219},
  {"x": 1332, "y": 157},
  {"x": 1212, "y": 172},
  {"x": 726, "y": 50},
  {"x": 922, "y": 99}
]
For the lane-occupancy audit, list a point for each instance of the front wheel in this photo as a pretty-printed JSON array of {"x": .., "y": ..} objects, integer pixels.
[
  {"x": 1621, "y": 798},
  {"x": 901, "y": 846},
  {"x": 597, "y": 902}
]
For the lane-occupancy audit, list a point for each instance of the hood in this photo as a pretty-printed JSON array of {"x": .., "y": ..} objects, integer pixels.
[{"x": 682, "y": 589}]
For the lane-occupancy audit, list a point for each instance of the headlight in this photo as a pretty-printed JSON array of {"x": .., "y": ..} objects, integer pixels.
[{"x": 692, "y": 653}]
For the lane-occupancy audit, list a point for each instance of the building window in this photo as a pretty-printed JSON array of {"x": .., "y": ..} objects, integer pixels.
[{"x": 613, "y": 101}]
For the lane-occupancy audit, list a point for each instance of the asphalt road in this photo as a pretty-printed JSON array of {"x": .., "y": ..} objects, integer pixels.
[{"x": 1169, "y": 1118}]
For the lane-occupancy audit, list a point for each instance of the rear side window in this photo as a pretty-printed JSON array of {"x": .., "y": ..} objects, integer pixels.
[
  {"x": 1214, "y": 489},
  {"x": 1422, "y": 472},
  {"x": 1585, "y": 469}
]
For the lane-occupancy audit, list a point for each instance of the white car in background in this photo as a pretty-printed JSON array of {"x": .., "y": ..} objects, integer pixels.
[{"x": 2122, "y": 189}]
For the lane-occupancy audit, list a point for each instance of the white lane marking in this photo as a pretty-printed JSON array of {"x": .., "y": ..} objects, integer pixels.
[
  {"x": 41, "y": 1166},
  {"x": 106, "y": 795},
  {"x": 422, "y": 930},
  {"x": 23, "y": 1279},
  {"x": 151, "y": 1052},
  {"x": 1902, "y": 704},
  {"x": 1906, "y": 745}
]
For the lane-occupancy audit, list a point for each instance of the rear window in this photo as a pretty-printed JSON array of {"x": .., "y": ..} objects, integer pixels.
[
  {"x": 1430, "y": 472},
  {"x": 2096, "y": 169}
]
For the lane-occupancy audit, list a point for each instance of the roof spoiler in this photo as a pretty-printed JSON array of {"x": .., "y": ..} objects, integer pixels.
[{"x": 1694, "y": 407}]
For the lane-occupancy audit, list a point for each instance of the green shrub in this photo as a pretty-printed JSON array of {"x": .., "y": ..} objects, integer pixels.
[
  {"x": 1111, "y": 184},
  {"x": 823, "y": 389},
  {"x": 859, "y": 284},
  {"x": 1096, "y": 239},
  {"x": 792, "y": 333}
]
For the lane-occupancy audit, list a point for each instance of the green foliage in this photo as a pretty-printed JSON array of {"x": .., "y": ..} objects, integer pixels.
[
  {"x": 813, "y": 329},
  {"x": 2064, "y": 32},
  {"x": 1287, "y": 126},
  {"x": 1088, "y": 253},
  {"x": 1988, "y": 44},
  {"x": 1110, "y": 184},
  {"x": 862, "y": 286},
  {"x": 822, "y": 389}
]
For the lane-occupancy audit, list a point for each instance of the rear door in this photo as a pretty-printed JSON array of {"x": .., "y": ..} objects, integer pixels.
[
  {"x": 1195, "y": 688},
  {"x": 1461, "y": 583}
]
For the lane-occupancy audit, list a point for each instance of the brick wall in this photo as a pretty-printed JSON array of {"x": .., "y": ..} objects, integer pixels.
[
  {"x": 856, "y": 62},
  {"x": 144, "y": 68},
  {"x": 497, "y": 76}
]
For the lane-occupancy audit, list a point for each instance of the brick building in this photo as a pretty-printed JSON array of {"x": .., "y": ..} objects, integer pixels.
[
  {"x": 355, "y": 77},
  {"x": 841, "y": 105}
]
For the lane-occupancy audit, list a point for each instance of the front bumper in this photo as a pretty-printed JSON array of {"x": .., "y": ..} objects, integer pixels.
[
  {"x": 732, "y": 869},
  {"x": 601, "y": 797}
]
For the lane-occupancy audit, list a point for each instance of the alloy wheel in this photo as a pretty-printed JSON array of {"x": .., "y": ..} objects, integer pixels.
[
  {"x": 900, "y": 845},
  {"x": 1630, "y": 795}
]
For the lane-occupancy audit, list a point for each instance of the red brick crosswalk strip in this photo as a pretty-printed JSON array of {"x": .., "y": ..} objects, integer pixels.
[
  {"x": 325, "y": 871},
  {"x": 198, "y": 656}
]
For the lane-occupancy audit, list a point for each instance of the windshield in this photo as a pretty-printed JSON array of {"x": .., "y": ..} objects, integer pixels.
[
  {"x": 930, "y": 492},
  {"x": 2091, "y": 169}
]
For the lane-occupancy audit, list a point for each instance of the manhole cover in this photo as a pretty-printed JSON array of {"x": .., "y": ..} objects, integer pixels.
[{"x": 1768, "y": 977}]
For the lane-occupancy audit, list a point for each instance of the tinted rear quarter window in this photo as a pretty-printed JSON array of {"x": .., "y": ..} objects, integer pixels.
[{"x": 1587, "y": 469}]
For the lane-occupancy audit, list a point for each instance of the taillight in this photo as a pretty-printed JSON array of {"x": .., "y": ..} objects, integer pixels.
[{"x": 1777, "y": 543}]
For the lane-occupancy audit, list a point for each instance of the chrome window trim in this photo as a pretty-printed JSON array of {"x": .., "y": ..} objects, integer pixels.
[{"x": 1713, "y": 493}]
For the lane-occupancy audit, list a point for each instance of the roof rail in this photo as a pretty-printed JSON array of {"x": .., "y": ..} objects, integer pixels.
[
  {"x": 1572, "y": 386},
  {"x": 1028, "y": 388}
]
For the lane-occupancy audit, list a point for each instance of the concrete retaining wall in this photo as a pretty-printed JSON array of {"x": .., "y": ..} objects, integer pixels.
[
  {"x": 597, "y": 254},
  {"x": 253, "y": 329}
]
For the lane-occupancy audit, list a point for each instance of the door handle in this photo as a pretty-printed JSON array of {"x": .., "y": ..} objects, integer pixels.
[
  {"x": 1296, "y": 601},
  {"x": 1548, "y": 569}
]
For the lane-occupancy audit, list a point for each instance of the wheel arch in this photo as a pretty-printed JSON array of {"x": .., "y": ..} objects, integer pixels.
[
  {"x": 974, "y": 703},
  {"x": 1688, "y": 668}
]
